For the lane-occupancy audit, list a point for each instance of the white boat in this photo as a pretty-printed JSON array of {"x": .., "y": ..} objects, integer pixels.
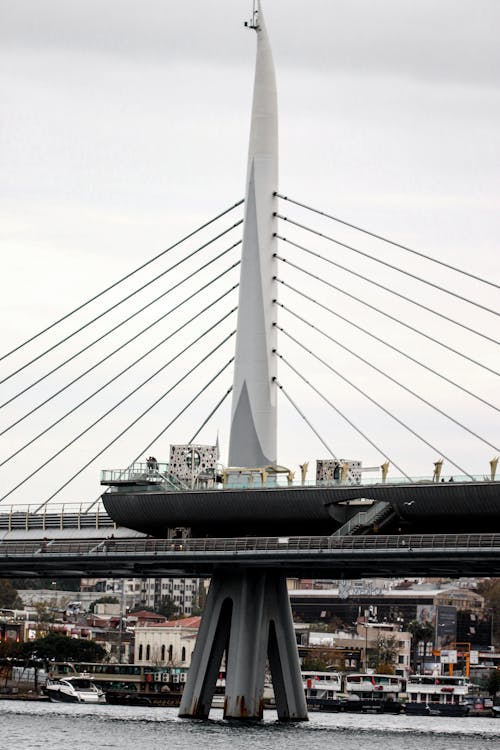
[
  {"x": 74, "y": 690},
  {"x": 323, "y": 691},
  {"x": 442, "y": 695},
  {"x": 331, "y": 681},
  {"x": 324, "y": 685}
]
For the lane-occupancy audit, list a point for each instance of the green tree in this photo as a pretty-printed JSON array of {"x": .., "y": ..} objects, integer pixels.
[
  {"x": 314, "y": 663},
  {"x": 45, "y": 612},
  {"x": 62, "y": 648},
  {"x": 199, "y": 602},
  {"x": 493, "y": 685},
  {"x": 385, "y": 655},
  {"x": 168, "y": 608},
  {"x": 9, "y": 598}
]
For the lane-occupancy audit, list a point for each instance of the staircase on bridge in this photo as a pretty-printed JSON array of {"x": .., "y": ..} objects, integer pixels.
[{"x": 365, "y": 521}]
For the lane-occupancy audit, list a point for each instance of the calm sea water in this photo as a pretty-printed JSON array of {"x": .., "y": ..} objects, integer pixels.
[{"x": 30, "y": 726}]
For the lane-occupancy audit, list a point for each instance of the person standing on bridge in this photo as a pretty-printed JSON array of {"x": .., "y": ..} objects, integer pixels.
[{"x": 152, "y": 464}]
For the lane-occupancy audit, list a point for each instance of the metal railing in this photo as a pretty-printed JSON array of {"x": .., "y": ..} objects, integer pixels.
[
  {"x": 364, "y": 518},
  {"x": 139, "y": 472},
  {"x": 254, "y": 545},
  {"x": 54, "y": 516},
  {"x": 157, "y": 473}
]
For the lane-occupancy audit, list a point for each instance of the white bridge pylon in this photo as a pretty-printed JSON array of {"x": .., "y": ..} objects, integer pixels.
[
  {"x": 253, "y": 434},
  {"x": 248, "y": 616}
]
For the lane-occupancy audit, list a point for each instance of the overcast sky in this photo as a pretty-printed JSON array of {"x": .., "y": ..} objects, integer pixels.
[{"x": 124, "y": 126}]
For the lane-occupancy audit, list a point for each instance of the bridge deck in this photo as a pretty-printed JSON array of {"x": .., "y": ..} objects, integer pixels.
[{"x": 318, "y": 556}]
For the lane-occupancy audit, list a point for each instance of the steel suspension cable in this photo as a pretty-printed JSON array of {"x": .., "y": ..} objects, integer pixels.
[
  {"x": 144, "y": 450},
  {"x": 384, "y": 263},
  {"x": 394, "y": 380},
  {"x": 127, "y": 320},
  {"x": 124, "y": 278},
  {"x": 216, "y": 407},
  {"x": 122, "y": 372},
  {"x": 382, "y": 341},
  {"x": 390, "y": 242},
  {"x": 120, "y": 302},
  {"x": 121, "y": 401},
  {"x": 344, "y": 416},
  {"x": 308, "y": 423},
  {"x": 386, "y": 289},
  {"x": 115, "y": 351},
  {"x": 390, "y": 317},
  {"x": 379, "y": 405},
  {"x": 178, "y": 415}
]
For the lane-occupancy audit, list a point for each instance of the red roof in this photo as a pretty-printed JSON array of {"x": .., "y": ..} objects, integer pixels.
[
  {"x": 185, "y": 622},
  {"x": 147, "y": 615}
]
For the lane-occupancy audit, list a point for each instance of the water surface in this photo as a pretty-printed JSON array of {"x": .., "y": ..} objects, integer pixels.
[{"x": 32, "y": 725}]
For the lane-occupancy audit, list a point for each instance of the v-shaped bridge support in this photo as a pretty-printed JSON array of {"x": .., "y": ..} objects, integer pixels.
[{"x": 247, "y": 615}]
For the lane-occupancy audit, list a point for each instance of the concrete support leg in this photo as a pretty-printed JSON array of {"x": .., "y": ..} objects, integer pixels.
[{"x": 248, "y": 615}]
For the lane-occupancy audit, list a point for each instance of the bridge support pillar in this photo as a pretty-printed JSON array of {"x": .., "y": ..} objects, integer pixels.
[{"x": 247, "y": 616}]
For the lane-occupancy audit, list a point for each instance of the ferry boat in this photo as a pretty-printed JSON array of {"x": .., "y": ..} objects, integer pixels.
[
  {"x": 74, "y": 690},
  {"x": 323, "y": 691},
  {"x": 377, "y": 692},
  {"x": 438, "y": 695}
]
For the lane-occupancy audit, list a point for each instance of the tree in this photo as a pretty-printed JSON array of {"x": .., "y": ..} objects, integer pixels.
[
  {"x": 56, "y": 646},
  {"x": 199, "y": 602},
  {"x": 44, "y": 612},
  {"x": 386, "y": 654},
  {"x": 315, "y": 663},
  {"x": 9, "y": 598},
  {"x": 493, "y": 685},
  {"x": 168, "y": 608},
  {"x": 421, "y": 632}
]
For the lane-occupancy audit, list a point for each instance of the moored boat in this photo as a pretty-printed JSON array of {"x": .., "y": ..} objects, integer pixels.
[
  {"x": 323, "y": 691},
  {"x": 74, "y": 690},
  {"x": 378, "y": 693},
  {"x": 442, "y": 695}
]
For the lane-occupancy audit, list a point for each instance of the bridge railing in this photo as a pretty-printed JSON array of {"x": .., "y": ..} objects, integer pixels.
[
  {"x": 274, "y": 481},
  {"x": 54, "y": 516},
  {"x": 251, "y": 545}
]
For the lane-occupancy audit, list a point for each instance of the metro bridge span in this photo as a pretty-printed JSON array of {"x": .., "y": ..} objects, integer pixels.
[{"x": 317, "y": 556}]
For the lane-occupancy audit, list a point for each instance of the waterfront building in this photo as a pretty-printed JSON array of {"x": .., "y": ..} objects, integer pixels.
[
  {"x": 167, "y": 644},
  {"x": 182, "y": 594}
]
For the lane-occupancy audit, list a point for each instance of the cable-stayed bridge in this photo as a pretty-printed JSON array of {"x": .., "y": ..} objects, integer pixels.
[
  {"x": 194, "y": 334},
  {"x": 312, "y": 322}
]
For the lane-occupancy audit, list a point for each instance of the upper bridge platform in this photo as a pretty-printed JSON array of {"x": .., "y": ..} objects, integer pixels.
[{"x": 462, "y": 505}]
